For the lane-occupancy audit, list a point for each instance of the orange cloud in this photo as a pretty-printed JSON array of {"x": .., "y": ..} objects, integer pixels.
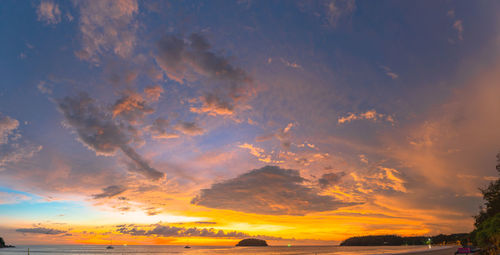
[{"x": 368, "y": 115}]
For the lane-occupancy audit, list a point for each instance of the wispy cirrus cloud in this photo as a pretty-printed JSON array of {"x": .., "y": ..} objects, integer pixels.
[
  {"x": 8, "y": 126},
  {"x": 336, "y": 9},
  {"x": 12, "y": 198},
  {"x": 107, "y": 26},
  {"x": 331, "y": 12},
  {"x": 457, "y": 25},
  {"x": 388, "y": 71},
  {"x": 13, "y": 148},
  {"x": 48, "y": 12}
]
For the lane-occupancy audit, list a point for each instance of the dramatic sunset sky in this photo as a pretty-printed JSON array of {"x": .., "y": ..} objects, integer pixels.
[{"x": 302, "y": 122}]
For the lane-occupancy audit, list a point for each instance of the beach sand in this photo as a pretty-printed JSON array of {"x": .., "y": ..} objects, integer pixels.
[{"x": 441, "y": 251}]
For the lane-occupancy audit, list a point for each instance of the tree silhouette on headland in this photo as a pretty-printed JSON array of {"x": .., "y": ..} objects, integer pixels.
[{"x": 487, "y": 231}]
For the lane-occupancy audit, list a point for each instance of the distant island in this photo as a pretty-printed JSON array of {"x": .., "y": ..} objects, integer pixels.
[
  {"x": 252, "y": 242},
  {"x": 3, "y": 245},
  {"x": 394, "y": 240}
]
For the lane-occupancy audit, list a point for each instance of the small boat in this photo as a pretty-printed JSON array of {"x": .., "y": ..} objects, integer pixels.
[
  {"x": 187, "y": 246},
  {"x": 110, "y": 246}
]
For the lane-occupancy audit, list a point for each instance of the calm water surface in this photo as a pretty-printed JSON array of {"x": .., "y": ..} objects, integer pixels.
[{"x": 226, "y": 250}]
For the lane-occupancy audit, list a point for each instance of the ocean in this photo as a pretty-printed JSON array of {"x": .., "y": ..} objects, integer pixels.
[{"x": 195, "y": 250}]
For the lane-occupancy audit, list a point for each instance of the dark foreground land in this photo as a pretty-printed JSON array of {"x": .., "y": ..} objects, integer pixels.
[
  {"x": 252, "y": 242},
  {"x": 444, "y": 251},
  {"x": 3, "y": 245},
  {"x": 394, "y": 240}
]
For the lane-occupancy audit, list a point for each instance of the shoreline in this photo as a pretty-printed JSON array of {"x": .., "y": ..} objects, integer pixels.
[{"x": 448, "y": 250}]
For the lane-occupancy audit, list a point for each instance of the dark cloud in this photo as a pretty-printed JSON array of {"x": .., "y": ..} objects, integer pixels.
[
  {"x": 330, "y": 179},
  {"x": 268, "y": 190},
  {"x": 160, "y": 129},
  {"x": 41, "y": 230},
  {"x": 100, "y": 133},
  {"x": 140, "y": 165},
  {"x": 110, "y": 191},
  {"x": 188, "y": 58},
  {"x": 189, "y": 128},
  {"x": 178, "y": 55},
  {"x": 173, "y": 231}
]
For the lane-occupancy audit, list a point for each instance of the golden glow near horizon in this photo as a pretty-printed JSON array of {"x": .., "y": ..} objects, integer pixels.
[{"x": 298, "y": 122}]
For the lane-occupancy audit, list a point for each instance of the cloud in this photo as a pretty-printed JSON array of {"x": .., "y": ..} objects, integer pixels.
[
  {"x": 336, "y": 9},
  {"x": 330, "y": 12},
  {"x": 268, "y": 190},
  {"x": 206, "y": 222},
  {"x": 41, "y": 230},
  {"x": 177, "y": 56},
  {"x": 45, "y": 88},
  {"x": 12, "y": 147},
  {"x": 110, "y": 191},
  {"x": 381, "y": 179},
  {"x": 160, "y": 230},
  {"x": 132, "y": 107},
  {"x": 98, "y": 132},
  {"x": 259, "y": 153},
  {"x": 48, "y": 12},
  {"x": 107, "y": 26},
  {"x": 7, "y": 127},
  {"x": 368, "y": 115},
  {"x": 330, "y": 179},
  {"x": 458, "y": 137},
  {"x": 283, "y": 135},
  {"x": 12, "y": 198},
  {"x": 451, "y": 13},
  {"x": 159, "y": 129},
  {"x": 389, "y": 72},
  {"x": 191, "y": 58},
  {"x": 290, "y": 64},
  {"x": 153, "y": 93},
  {"x": 457, "y": 25},
  {"x": 213, "y": 105},
  {"x": 189, "y": 128}
]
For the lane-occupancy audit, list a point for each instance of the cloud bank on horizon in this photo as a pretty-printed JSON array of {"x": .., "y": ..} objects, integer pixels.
[{"x": 286, "y": 120}]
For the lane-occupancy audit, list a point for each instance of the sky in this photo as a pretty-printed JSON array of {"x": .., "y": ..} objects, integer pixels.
[{"x": 298, "y": 122}]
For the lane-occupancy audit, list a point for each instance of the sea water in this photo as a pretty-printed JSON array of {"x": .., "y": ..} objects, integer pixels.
[{"x": 195, "y": 250}]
